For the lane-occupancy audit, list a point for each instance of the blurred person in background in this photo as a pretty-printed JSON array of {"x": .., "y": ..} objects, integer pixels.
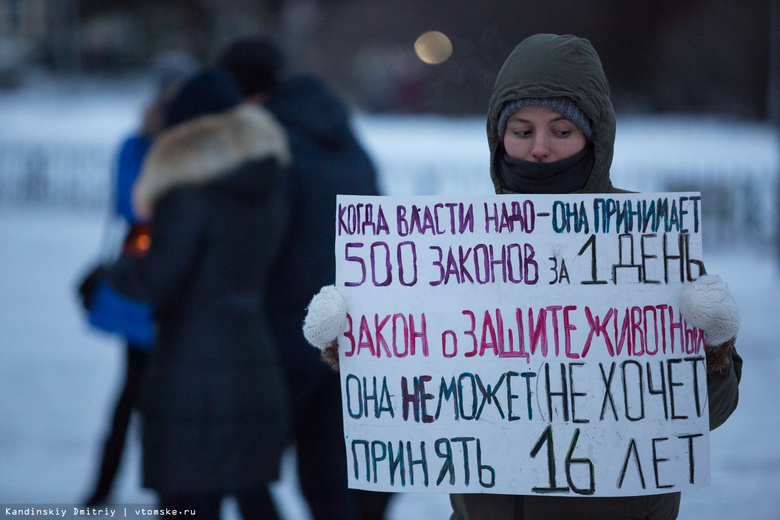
[
  {"x": 170, "y": 70},
  {"x": 213, "y": 401},
  {"x": 551, "y": 129},
  {"x": 327, "y": 160}
]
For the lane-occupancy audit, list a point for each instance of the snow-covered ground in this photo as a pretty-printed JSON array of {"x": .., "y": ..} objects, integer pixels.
[{"x": 58, "y": 378}]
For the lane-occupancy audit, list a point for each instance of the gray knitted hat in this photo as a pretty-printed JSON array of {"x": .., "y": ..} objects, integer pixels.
[{"x": 563, "y": 105}]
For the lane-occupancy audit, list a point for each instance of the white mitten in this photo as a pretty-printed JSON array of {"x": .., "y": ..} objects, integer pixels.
[
  {"x": 326, "y": 317},
  {"x": 707, "y": 304}
]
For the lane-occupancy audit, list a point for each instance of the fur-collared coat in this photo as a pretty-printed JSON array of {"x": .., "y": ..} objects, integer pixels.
[{"x": 214, "y": 404}]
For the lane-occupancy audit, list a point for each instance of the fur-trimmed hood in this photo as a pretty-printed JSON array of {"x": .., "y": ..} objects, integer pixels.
[{"x": 206, "y": 149}]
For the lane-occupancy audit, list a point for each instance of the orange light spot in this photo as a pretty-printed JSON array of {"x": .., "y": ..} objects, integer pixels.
[
  {"x": 433, "y": 47},
  {"x": 143, "y": 242}
]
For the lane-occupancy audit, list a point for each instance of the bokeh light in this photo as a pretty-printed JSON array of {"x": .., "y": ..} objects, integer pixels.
[{"x": 433, "y": 47}]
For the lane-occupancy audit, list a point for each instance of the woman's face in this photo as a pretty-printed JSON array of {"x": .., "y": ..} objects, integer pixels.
[{"x": 542, "y": 135}]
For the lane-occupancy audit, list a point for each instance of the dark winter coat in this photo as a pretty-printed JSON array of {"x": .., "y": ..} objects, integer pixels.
[
  {"x": 213, "y": 405},
  {"x": 552, "y": 66},
  {"x": 327, "y": 160}
]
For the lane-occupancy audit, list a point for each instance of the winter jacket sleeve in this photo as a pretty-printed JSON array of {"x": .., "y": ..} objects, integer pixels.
[
  {"x": 177, "y": 230},
  {"x": 723, "y": 391},
  {"x": 128, "y": 167}
]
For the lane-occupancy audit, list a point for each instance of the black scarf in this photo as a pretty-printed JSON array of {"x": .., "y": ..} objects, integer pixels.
[{"x": 564, "y": 176}]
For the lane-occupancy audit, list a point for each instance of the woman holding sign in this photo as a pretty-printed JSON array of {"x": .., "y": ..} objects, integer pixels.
[{"x": 551, "y": 130}]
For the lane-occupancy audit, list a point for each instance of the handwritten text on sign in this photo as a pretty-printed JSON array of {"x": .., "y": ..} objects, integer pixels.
[{"x": 522, "y": 344}]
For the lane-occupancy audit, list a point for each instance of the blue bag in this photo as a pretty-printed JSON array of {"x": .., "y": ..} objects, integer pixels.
[{"x": 112, "y": 312}]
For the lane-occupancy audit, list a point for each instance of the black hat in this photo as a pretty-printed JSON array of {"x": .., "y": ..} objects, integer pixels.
[
  {"x": 208, "y": 92},
  {"x": 255, "y": 63}
]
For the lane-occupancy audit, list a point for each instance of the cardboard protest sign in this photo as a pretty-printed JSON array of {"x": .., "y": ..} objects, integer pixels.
[{"x": 522, "y": 344}]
